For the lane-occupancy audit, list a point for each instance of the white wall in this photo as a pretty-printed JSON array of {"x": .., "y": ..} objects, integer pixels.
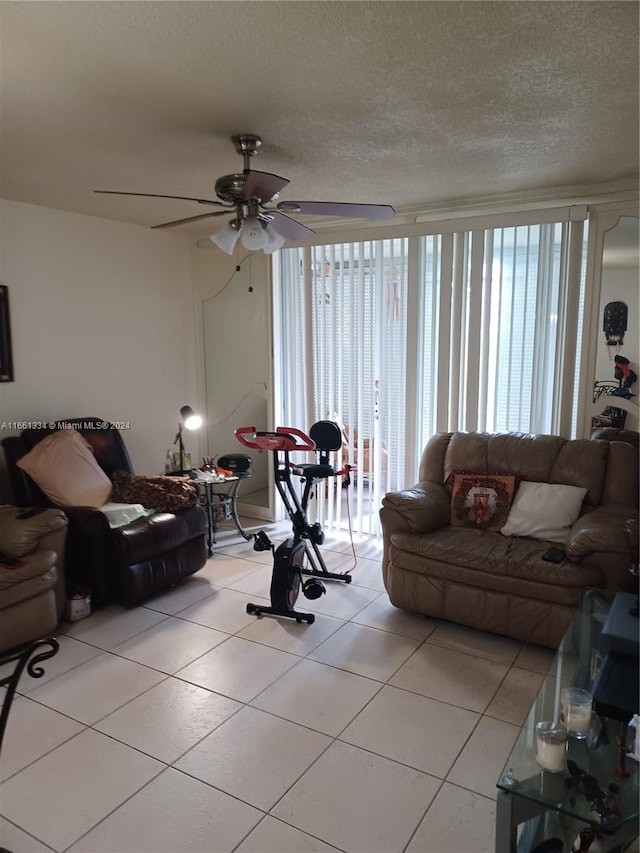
[
  {"x": 103, "y": 324},
  {"x": 235, "y": 356}
]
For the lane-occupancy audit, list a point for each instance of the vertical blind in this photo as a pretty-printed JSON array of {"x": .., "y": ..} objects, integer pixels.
[
  {"x": 341, "y": 355},
  {"x": 480, "y": 333}
]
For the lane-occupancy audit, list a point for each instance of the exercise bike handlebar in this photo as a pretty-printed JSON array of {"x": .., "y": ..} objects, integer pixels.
[{"x": 284, "y": 438}]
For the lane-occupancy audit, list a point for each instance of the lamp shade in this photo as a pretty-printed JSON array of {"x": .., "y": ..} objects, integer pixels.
[
  {"x": 190, "y": 418},
  {"x": 253, "y": 235},
  {"x": 226, "y": 238},
  {"x": 275, "y": 240}
]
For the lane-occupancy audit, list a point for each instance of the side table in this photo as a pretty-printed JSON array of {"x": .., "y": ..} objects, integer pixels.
[{"x": 220, "y": 502}]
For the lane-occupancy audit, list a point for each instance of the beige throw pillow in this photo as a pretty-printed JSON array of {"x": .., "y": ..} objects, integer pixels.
[
  {"x": 544, "y": 511},
  {"x": 64, "y": 467}
]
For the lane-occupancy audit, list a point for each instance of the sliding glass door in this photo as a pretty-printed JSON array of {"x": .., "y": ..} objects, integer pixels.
[{"x": 341, "y": 332}]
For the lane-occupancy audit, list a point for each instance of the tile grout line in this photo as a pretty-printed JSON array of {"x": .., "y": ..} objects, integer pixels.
[{"x": 247, "y": 703}]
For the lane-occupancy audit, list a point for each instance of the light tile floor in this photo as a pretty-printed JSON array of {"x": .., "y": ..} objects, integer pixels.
[{"x": 187, "y": 726}]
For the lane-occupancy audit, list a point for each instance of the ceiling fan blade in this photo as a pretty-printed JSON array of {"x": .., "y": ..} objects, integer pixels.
[
  {"x": 289, "y": 227},
  {"x": 337, "y": 208},
  {"x": 262, "y": 185},
  {"x": 193, "y": 218},
  {"x": 157, "y": 195}
]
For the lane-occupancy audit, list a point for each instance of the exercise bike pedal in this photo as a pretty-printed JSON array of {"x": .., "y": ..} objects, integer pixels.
[
  {"x": 316, "y": 533},
  {"x": 261, "y": 541}
]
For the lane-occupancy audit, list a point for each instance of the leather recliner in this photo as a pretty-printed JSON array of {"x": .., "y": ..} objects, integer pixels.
[
  {"x": 125, "y": 564},
  {"x": 32, "y": 580},
  {"x": 502, "y": 584}
]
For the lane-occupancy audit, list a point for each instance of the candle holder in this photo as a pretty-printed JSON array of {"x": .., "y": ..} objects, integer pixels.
[
  {"x": 575, "y": 711},
  {"x": 551, "y": 744}
]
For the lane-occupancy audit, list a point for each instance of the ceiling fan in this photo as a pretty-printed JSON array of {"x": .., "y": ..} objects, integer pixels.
[{"x": 247, "y": 194}]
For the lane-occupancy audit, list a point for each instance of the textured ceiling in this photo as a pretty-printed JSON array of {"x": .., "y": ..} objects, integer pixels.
[{"x": 408, "y": 103}]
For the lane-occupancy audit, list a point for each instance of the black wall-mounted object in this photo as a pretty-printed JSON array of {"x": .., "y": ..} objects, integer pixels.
[
  {"x": 614, "y": 323},
  {"x": 6, "y": 356}
]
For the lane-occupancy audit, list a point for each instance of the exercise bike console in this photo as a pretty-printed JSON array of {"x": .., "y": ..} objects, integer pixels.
[{"x": 299, "y": 555}]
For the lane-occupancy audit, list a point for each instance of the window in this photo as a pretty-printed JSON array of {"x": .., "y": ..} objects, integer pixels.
[
  {"x": 494, "y": 315},
  {"x": 480, "y": 335}
]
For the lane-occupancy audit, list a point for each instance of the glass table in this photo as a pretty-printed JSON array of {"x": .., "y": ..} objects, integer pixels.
[{"x": 535, "y": 805}]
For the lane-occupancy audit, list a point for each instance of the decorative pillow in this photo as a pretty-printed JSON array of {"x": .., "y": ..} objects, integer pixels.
[
  {"x": 481, "y": 500},
  {"x": 64, "y": 467},
  {"x": 544, "y": 511},
  {"x": 163, "y": 494}
]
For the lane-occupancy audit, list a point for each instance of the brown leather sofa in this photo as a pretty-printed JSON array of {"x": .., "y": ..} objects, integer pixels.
[
  {"x": 125, "y": 564},
  {"x": 32, "y": 589},
  {"x": 496, "y": 583},
  {"x": 616, "y": 434}
]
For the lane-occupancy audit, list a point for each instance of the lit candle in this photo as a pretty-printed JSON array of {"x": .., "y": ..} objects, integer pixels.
[{"x": 551, "y": 740}]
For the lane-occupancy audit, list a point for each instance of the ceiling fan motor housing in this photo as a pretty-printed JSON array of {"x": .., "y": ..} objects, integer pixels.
[{"x": 230, "y": 188}]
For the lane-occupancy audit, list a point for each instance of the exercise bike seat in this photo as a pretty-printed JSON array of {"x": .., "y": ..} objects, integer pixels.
[
  {"x": 311, "y": 471},
  {"x": 327, "y": 438}
]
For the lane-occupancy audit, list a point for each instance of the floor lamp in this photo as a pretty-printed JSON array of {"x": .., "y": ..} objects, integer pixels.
[{"x": 191, "y": 421}]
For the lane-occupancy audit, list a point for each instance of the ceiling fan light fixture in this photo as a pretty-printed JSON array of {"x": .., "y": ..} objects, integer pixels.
[
  {"x": 253, "y": 235},
  {"x": 275, "y": 240},
  {"x": 226, "y": 237}
]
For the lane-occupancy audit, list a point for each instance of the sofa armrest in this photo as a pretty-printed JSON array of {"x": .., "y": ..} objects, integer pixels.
[
  {"x": 420, "y": 509},
  {"x": 91, "y": 558},
  {"x": 87, "y": 520},
  {"x": 22, "y": 536},
  {"x": 611, "y": 529}
]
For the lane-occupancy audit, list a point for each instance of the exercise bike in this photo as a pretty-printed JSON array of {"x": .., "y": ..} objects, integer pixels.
[{"x": 300, "y": 554}]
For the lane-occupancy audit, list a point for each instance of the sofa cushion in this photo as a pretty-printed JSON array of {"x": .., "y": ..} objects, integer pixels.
[
  {"x": 529, "y": 457},
  {"x": 535, "y": 458},
  {"x": 64, "y": 467},
  {"x": 20, "y": 536},
  {"x": 583, "y": 463},
  {"x": 544, "y": 511},
  {"x": 481, "y": 500},
  {"x": 487, "y": 560}
]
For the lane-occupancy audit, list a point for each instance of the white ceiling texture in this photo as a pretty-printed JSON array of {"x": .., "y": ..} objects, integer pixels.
[{"x": 414, "y": 104}]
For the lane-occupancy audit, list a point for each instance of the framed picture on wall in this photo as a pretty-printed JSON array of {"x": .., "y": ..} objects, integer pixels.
[{"x": 6, "y": 358}]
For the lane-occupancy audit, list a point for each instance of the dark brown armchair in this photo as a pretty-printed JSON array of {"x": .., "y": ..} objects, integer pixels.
[{"x": 124, "y": 564}]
